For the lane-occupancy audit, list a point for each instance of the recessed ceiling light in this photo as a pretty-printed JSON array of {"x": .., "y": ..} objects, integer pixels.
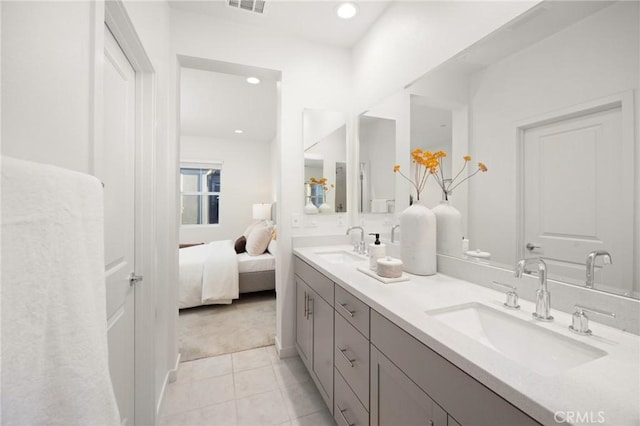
[
  {"x": 253, "y": 80},
  {"x": 238, "y": 131},
  {"x": 347, "y": 10}
]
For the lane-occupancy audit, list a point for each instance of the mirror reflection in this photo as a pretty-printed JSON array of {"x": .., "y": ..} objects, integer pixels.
[
  {"x": 376, "y": 185},
  {"x": 547, "y": 104},
  {"x": 325, "y": 161}
]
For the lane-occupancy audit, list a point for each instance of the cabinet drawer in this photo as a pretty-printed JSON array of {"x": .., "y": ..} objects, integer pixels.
[
  {"x": 463, "y": 397},
  {"x": 347, "y": 410},
  {"x": 314, "y": 279},
  {"x": 353, "y": 310},
  {"x": 352, "y": 358}
]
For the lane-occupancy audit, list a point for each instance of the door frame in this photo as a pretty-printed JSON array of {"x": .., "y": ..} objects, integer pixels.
[
  {"x": 624, "y": 101},
  {"x": 113, "y": 14}
]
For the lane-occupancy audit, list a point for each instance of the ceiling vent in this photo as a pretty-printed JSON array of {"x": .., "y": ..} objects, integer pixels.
[{"x": 250, "y": 5}]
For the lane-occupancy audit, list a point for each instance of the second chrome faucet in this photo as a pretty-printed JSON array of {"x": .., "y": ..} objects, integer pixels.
[{"x": 543, "y": 297}]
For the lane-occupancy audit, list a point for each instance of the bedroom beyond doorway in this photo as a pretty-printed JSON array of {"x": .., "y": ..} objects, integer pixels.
[{"x": 249, "y": 322}]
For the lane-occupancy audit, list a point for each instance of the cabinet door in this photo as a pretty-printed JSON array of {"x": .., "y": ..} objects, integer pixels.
[
  {"x": 395, "y": 399},
  {"x": 322, "y": 315},
  {"x": 303, "y": 322}
]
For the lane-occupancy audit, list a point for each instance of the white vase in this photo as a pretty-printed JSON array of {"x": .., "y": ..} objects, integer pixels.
[
  {"x": 325, "y": 208},
  {"x": 418, "y": 243},
  {"x": 449, "y": 229}
]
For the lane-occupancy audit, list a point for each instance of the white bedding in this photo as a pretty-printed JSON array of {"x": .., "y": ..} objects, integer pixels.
[
  {"x": 262, "y": 262},
  {"x": 208, "y": 274}
]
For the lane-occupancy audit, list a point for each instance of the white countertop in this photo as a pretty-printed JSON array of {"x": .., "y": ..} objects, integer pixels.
[{"x": 602, "y": 391}]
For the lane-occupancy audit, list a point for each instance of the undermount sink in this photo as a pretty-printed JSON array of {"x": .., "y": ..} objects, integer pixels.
[
  {"x": 340, "y": 256},
  {"x": 543, "y": 351}
]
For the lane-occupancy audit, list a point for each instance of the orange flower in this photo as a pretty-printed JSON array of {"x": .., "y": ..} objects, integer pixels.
[
  {"x": 396, "y": 168},
  {"x": 482, "y": 167},
  {"x": 467, "y": 158}
]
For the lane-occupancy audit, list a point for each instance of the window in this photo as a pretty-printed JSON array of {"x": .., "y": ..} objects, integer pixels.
[{"x": 200, "y": 194}]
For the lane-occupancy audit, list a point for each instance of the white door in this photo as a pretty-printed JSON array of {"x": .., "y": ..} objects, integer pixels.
[
  {"x": 115, "y": 166},
  {"x": 577, "y": 198}
]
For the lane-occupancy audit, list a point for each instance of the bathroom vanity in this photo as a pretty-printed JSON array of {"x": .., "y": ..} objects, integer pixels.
[{"x": 410, "y": 352}]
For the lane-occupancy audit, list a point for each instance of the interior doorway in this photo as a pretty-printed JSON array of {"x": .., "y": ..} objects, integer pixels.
[{"x": 228, "y": 123}]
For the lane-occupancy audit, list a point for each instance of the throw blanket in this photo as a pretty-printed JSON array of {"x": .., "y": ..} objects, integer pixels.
[{"x": 208, "y": 274}]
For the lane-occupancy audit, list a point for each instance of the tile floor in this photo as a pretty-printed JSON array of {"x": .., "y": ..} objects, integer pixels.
[{"x": 252, "y": 388}]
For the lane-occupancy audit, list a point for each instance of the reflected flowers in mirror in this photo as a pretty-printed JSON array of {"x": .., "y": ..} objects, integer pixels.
[{"x": 448, "y": 185}]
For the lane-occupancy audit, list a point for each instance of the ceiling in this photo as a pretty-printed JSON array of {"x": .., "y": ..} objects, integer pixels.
[
  {"x": 216, "y": 100},
  {"x": 313, "y": 20},
  {"x": 214, "y": 105}
]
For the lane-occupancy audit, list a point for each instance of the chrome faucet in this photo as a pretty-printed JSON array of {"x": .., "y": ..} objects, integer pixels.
[
  {"x": 360, "y": 246},
  {"x": 393, "y": 232},
  {"x": 543, "y": 297},
  {"x": 591, "y": 263}
]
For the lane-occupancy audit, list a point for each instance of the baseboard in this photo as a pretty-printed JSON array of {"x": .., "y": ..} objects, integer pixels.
[
  {"x": 170, "y": 377},
  {"x": 287, "y": 352}
]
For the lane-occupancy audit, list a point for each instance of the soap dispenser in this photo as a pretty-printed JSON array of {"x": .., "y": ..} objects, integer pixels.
[{"x": 376, "y": 251}]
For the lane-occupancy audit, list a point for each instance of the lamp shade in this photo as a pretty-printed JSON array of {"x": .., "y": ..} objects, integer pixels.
[{"x": 262, "y": 211}]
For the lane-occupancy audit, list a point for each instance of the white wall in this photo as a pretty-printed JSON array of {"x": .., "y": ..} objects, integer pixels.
[
  {"x": 50, "y": 67},
  {"x": 594, "y": 58},
  {"x": 245, "y": 180},
  {"x": 313, "y": 76},
  {"x": 411, "y": 38},
  {"x": 47, "y": 81}
]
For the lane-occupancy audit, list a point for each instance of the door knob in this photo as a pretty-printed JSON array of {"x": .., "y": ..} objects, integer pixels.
[
  {"x": 133, "y": 279},
  {"x": 531, "y": 246}
]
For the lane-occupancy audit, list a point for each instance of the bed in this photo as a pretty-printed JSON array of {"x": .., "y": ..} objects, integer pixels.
[{"x": 214, "y": 273}]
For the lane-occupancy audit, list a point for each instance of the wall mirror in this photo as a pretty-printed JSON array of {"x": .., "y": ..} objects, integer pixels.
[
  {"x": 377, "y": 144},
  {"x": 547, "y": 104},
  {"x": 325, "y": 161}
]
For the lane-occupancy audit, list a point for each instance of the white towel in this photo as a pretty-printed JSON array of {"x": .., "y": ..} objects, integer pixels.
[{"x": 55, "y": 366}]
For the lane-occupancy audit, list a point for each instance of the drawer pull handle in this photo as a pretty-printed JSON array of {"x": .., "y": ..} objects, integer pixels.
[
  {"x": 306, "y": 305},
  {"x": 344, "y": 307},
  {"x": 344, "y": 417},
  {"x": 342, "y": 351}
]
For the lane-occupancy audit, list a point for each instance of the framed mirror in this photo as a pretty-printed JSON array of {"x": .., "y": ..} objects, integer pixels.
[
  {"x": 325, "y": 161},
  {"x": 547, "y": 104}
]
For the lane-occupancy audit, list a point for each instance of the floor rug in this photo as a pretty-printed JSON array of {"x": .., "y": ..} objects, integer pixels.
[{"x": 247, "y": 323}]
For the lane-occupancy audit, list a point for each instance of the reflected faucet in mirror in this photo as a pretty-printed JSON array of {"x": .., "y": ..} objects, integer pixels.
[
  {"x": 393, "y": 233},
  {"x": 591, "y": 263},
  {"x": 543, "y": 297}
]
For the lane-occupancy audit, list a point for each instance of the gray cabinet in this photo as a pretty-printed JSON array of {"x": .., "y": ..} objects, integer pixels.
[
  {"x": 322, "y": 315},
  {"x": 396, "y": 400},
  {"x": 370, "y": 371},
  {"x": 465, "y": 399},
  {"x": 352, "y": 358},
  {"x": 314, "y": 326},
  {"x": 303, "y": 324},
  {"x": 348, "y": 411}
]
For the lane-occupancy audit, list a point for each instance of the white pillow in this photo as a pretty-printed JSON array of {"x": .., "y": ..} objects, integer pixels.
[
  {"x": 258, "y": 240},
  {"x": 250, "y": 228}
]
